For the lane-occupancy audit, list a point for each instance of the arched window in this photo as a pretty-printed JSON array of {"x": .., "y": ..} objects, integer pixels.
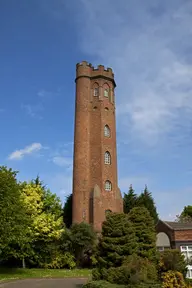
[
  {"x": 107, "y": 158},
  {"x": 107, "y": 132},
  {"x": 106, "y": 93},
  {"x": 108, "y": 185},
  {"x": 96, "y": 91}
]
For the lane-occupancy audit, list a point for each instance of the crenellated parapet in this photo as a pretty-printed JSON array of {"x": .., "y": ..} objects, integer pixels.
[{"x": 85, "y": 69}]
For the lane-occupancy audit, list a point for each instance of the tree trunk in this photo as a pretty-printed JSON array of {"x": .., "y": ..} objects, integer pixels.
[{"x": 23, "y": 263}]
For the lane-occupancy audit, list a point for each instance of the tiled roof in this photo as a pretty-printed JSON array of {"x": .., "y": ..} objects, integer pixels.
[{"x": 178, "y": 226}]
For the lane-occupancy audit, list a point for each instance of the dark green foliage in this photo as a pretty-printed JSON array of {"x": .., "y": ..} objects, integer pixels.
[
  {"x": 13, "y": 218},
  {"x": 135, "y": 270},
  {"x": 129, "y": 200},
  {"x": 172, "y": 259},
  {"x": 118, "y": 240},
  {"x": 186, "y": 215},
  {"x": 116, "y": 243},
  {"x": 145, "y": 232},
  {"x": 80, "y": 240},
  {"x": 187, "y": 211},
  {"x": 145, "y": 199},
  {"x": 102, "y": 284},
  {"x": 188, "y": 281},
  {"x": 38, "y": 182},
  {"x": 105, "y": 284},
  {"x": 51, "y": 203},
  {"x": 67, "y": 211}
]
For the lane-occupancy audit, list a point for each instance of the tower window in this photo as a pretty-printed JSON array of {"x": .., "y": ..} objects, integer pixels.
[
  {"x": 96, "y": 91},
  {"x": 106, "y": 93},
  {"x": 107, "y": 158},
  {"x": 107, "y": 132},
  {"x": 108, "y": 185}
]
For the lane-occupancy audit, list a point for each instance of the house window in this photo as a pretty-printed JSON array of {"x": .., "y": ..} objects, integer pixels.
[
  {"x": 107, "y": 158},
  {"x": 160, "y": 249},
  {"x": 106, "y": 93},
  {"x": 96, "y": 91},
  {"x": 107, "y": 131},
  {"x": 108, "y": 186},
  {"x": 187, "y": 252},
  {"x": 189, "y": 272}
]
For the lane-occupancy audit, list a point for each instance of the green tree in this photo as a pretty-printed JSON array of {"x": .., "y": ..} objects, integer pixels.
[
  {"x": 145, "y": 199},
  {"x": 129, "y": 200},
  {"x": 47, "y": 227},
  {"x": 14, "y": 221},
  {"x": 145, "y": 232},
  {"x": 83, "y": 240},
  {"x": 186, "y": 215},
  {"x": 51, "y": 202},
  {"x": 67, "y": 211},
  {"x": 117, "y": 241}
]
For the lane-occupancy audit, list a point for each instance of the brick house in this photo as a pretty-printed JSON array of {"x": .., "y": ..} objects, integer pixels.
[{"x": 175, "y": 235}]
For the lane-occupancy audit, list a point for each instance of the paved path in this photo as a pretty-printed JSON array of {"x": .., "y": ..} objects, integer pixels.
[{"x": 45, "y": 283}]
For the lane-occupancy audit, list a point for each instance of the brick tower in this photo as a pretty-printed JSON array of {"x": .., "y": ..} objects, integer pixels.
[{"x": 95, "y": 188}]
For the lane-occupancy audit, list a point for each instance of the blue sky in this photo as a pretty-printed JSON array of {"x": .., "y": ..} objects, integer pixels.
[{"x": 147, "y": 43}]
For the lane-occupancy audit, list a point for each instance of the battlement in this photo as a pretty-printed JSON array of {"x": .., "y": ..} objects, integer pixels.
[
  {"x": 84, "y": 64},
  {"x": 84, "y": 68}
]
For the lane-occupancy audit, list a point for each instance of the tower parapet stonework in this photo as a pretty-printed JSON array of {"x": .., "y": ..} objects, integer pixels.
[{"x": 95, "y": 187}]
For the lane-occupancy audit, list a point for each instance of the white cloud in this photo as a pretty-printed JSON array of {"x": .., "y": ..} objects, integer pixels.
[
  {"x": 19, "y": 154},
  {"x": 145, "y": 44},
  {"x": 63, "y": 161},
  {"x": 44, "y": 94},
  {"x": 33, "y": 110},
  {"x": 62, "y": 155}
]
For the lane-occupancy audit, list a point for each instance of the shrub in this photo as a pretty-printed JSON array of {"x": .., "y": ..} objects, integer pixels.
[
  {"x": 145, "y": 232},
  {"x": 80, "y": 241},
  {"x": 117, "y": 241},
  {"x": 103, "y": 284},
  {"x": 65, "y": 260},
  {"x": 173, "y": 279},
  {"x": 172, "y": 259},
  {"x": 83, "y": 240},
  {"x": 135, "y": 270},
  {"x": 188, "y": 282}
]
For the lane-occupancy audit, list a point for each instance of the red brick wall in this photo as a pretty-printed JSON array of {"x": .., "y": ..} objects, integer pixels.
[
  {"x": 184, "y": 235},
  {"x": 90, "y": 146},
  {"x": 81, "y": 148}
]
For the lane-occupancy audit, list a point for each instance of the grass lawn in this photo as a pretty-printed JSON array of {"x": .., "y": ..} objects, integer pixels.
[{"x": 19, "y": 273}]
